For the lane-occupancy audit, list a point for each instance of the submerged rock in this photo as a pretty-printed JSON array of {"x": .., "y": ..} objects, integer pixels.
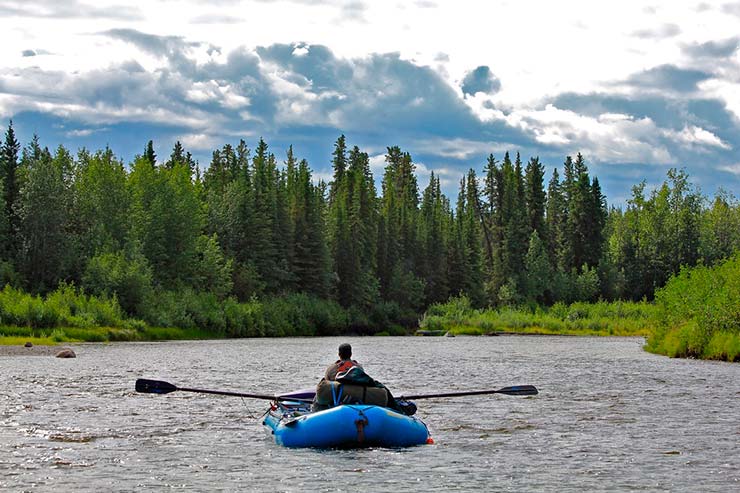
[{"x": 66, "y": 353}]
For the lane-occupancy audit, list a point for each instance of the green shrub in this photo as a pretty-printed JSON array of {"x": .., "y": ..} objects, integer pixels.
[
  {"x": 127, "y": 276},
  {"x": 698, "y": 313}
]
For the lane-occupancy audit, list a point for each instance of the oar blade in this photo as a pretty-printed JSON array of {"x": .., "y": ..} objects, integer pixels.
[
  {"x": 154, "y": 386},
  {"x": 519, "y": 390}
]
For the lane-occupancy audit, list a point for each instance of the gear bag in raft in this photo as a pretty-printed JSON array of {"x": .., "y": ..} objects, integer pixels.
[{"x": 335, "y": 393}]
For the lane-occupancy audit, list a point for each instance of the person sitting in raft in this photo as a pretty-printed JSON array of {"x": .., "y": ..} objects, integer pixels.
[
  {"x": 344, "y": 363},
  {"x": 345, "y": 382}
]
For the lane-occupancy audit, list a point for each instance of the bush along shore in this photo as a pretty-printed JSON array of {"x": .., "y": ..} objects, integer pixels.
[
  {"x": 621, "y": 318},
  {"x": 698, "y": 313},
  {"x": 69, "y": 315}
]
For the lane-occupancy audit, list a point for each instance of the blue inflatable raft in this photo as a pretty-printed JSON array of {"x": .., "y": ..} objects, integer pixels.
[{"x": 347, "y": 425}]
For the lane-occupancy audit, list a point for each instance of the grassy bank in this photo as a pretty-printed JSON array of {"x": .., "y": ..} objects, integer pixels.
[
  {"x": 699, "y": 314},
  {"x": 598, "y": 319},
  {"x": 69, "y": 315}
]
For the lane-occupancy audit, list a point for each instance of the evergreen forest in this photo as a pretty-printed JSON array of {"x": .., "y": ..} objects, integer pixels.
[{"x": 254, "y": 245}]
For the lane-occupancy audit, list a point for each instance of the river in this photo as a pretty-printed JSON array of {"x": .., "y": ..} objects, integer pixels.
[{"x": 609, "y": 417}]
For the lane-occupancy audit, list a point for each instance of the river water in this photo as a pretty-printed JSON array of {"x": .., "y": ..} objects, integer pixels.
[{"x": 609, "y": 417}]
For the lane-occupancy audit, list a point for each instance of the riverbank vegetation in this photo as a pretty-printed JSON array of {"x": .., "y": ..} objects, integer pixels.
[
  {"x": 699, "y": 313},
  {"x": 69, "y": 315},
  {"x": 252, "y": 246},
  {"x": 619, "y": 318}
]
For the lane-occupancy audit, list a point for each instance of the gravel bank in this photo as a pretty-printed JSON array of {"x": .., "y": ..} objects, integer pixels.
[{"x": 30, "y": 351}]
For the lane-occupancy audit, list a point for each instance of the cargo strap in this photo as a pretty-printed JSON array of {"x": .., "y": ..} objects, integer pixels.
[{"x": 336, "y": 396}]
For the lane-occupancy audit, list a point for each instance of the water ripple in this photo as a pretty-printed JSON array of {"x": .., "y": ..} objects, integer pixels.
[{"x": 609, "y": 417}]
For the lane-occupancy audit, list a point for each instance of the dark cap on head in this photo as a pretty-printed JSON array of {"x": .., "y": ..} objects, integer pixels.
[{"x": 345, "y": 350}]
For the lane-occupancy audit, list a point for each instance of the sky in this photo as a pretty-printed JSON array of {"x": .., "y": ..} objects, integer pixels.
[{"x": 638, "y": 87}]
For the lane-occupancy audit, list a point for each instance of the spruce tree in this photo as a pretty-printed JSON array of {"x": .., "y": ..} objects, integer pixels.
[
  {"x": 11, "y": 188},
  {"x": 535, "y": 196},
  {"x": 149, "y": 154}
]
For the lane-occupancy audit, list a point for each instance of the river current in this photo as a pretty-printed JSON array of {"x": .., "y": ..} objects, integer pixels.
[{"x": 609, "y": 417}]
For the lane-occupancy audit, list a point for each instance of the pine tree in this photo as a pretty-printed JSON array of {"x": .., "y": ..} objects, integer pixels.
[
  {"x": 472, "y": 239},
  {"x": 556, "y": 222},
  {"x": 434, "y": 242},
  {"x": 149, "y": 154},
  {"x": 535, "y": 196},
  {"x": 399, "y": 209},
  {"x": 339, "y": 164},
  {"x": 539, "y": 275},
  {"x": 11, "y": 189}
]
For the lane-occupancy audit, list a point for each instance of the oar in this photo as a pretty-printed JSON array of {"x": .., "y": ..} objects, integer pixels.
[
  {"x": 516, "y": 390},
  {"x": 159, "y": 387}
]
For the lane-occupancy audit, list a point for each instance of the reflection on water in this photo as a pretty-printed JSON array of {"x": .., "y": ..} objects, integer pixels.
[{"x": 609, "y": 417}]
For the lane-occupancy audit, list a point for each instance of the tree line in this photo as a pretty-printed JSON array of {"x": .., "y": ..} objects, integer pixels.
[{"x": 251, "y": 226}]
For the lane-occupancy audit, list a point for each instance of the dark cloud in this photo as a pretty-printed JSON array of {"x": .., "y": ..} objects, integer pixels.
[
  {"x": 669, "y": 77},
  {"x": 713, "y": 49},
  {"x": 157, "y": 45},
  {"x": 304, "y": 95},
  {"x": 660, "y": 32},
  {"x": 480, "y": 80}
]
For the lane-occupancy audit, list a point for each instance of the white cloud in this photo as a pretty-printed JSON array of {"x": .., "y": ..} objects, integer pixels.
[
  {"x": 210, "y": 91},
  {"x": 731, "y": 168},
  {"x": 609, "y": 137},
  {"x": 692, "y": 136},
  {"x": 81, "y": 133},
  {"x": 198, "y": 141},
  {"x": 459, "y": 148},
  {"x": 377, "y": 164}
]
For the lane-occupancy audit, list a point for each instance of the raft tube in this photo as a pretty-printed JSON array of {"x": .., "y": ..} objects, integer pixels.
[{"x": 347, "y": 425}]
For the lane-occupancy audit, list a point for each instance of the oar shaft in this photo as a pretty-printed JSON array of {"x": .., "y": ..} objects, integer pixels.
[
  {"x": 519, "y": 390},
  {"x": 233, "y": 394},
  {"x": 159, "y": 387}
]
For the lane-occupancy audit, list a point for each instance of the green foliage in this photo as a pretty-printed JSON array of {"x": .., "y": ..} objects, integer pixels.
[
  {"x": 64, "y": 307},
  {"x": 126, "y": 276},
  {"x": 166, "y": 221},
  {"x": 101, "y": 203},
  {"x": 212, "y": 271},
  {"x": 255, "y": 248},
  {"x": 699, "y": 313},
  {"x": 616, "y": 318},
  {"x": 43, "y": 219}
]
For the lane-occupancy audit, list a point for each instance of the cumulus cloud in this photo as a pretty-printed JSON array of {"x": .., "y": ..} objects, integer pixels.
[
  {"x": 731, "y": 168},
  {"x": 693, "y": 136},
  {"x": 668, "y": 78},
  {"x": 300, "y": 93},
  {"x": 480, "y": 80},
  {"x": 617, "y": 138},
  {"x": 713, "y": 49}
]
